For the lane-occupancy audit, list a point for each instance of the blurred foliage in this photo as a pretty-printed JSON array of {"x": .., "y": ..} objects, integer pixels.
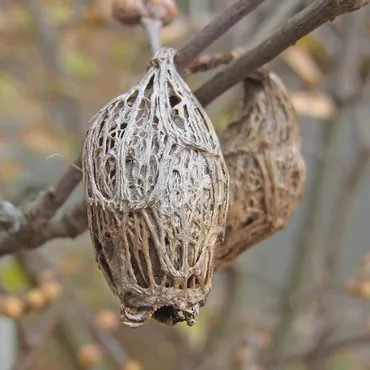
[
  {"x": 79, "y": 65},
  {"x": 13, "y": 276}
]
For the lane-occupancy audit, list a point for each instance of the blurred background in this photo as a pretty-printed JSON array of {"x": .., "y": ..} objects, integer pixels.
[{"x": 299, "y": 300}]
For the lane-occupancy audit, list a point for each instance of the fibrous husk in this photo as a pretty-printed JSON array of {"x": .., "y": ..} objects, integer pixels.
[
  {"x": 156, "y": 186},
  {"x": 262, "y": 149}
]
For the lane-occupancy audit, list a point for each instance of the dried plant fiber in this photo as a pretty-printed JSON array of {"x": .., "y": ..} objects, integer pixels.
[
  {"x": 262, "y": 149},
  {"x": 156, "y": 186}
]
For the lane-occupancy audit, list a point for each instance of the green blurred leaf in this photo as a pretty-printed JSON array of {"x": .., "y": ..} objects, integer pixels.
[
  {"x": 12, "y": 276},
  {"x": 79, "y": 65}
]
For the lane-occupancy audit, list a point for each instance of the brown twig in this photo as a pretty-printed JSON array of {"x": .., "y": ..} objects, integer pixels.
[
  {"x": 274, "y": 19},
  {"x": 38, "y": 216},
  {"x": 296, "y": 27},
  {"x": 214, "y": 30},
  {"x": 206, "y": 62}
]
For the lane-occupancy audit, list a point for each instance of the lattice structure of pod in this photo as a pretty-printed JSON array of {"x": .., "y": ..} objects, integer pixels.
[
  {"x": 262, "y": 150},
  {"x": 156, "y": 187}
]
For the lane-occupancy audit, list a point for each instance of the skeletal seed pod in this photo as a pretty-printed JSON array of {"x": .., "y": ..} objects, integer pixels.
[
  {"x": 262, "y": 149},
  {"x": 156, "y": 187}
]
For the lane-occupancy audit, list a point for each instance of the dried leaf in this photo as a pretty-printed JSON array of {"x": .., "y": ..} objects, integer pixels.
[
  {"x": 301, "y": 61},
  {"x": 314, "y": 104},
  {"x": 314, "y": 46}
]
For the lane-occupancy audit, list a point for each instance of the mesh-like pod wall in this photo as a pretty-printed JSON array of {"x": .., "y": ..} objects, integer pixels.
[
  {"x": 262, "y": 149},
  {"x": 156, "y": 186}
]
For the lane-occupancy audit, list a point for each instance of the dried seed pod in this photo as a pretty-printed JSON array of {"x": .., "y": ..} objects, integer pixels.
[
  {"x": 156, "y": 186},
  {"x": 262, "y": 149}
]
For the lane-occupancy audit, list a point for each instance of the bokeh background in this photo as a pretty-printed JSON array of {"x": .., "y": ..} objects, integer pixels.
[{"x": 299, "y": 300}]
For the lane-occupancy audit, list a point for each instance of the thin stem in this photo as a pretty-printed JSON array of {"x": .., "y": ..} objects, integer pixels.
[
  {"x": 296, "y": 27},
  {"x": 214, "y": 30},
  {"x": 152, "y": 28},
  {"x": 275, "y": 19}
]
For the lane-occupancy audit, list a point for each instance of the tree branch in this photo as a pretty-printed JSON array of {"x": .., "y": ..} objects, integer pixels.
[
  {"x": 68, "y": 223},
  {"x": 214, "y": 30},
  {"x": 41, "y": 212},
  {"x": 296, "y": 27}
]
